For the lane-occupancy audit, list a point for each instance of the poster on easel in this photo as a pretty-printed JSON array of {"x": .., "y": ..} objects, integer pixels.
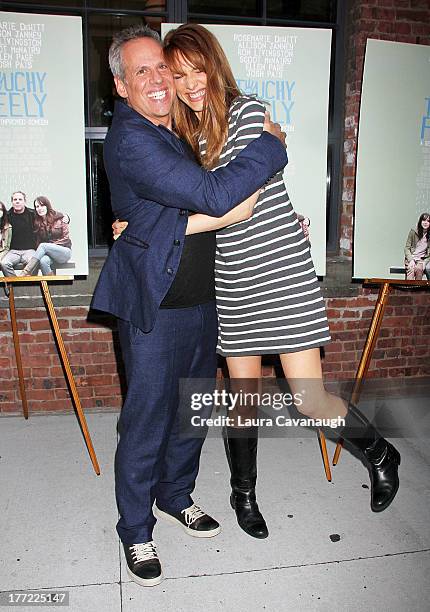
[
  {"x": 42, "y": 127},
  {"x": 392, "y": 201},
  {"x": 289, "y": 69}
]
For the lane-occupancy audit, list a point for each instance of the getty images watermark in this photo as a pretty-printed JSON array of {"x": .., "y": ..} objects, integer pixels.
[{"x": 246, "y": 402}]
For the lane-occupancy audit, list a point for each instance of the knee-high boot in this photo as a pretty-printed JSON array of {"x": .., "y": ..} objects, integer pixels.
[
  {"x": 382, "y": 458},
  {"x": 241, "y": 450}
]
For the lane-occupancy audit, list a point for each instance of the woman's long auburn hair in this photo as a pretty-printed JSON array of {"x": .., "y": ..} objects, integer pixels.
[
  {"x": 4, "y": 221},
  {"x": 43, "y": 223},
  {"x": 201, "y": 49},
  {"x": 420, "y": 229}
]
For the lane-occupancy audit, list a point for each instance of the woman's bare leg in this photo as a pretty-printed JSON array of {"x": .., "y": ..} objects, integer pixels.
[{"x": 304, "y": 374}]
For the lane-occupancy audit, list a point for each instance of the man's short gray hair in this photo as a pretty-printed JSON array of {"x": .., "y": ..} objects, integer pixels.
[
  {"x": 21, "y": 192},
  {"x": 115, "y": 58}
]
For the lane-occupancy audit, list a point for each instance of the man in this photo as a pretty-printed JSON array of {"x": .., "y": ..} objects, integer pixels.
[
  {"x": 160, "y": 285},
  {"x": 23, "y": 244}
]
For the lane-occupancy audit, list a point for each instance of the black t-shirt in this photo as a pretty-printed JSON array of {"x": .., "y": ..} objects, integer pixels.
[
  {"x": 23, "y": 236},
  {"x": 194, "y": 282}
]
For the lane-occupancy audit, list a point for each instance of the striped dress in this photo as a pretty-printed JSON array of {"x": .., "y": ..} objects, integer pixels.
[{"x": 267, "y": 293}]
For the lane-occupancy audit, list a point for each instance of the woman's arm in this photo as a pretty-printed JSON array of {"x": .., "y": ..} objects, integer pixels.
[
  {"x": 408, "y": 246},
  {"x": 199, "y": 223},
  {"x": 8, "y": 237}
]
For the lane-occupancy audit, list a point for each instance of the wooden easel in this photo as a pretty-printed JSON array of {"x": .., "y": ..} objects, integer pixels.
[
  {"x": 384, "y": 291},
  {"x": 44, "y": 280}
]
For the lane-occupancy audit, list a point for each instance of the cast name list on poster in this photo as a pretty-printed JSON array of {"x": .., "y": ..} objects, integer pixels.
[
  {"x": 266, "y": 55},
  {"x": 22, "y": 91}
]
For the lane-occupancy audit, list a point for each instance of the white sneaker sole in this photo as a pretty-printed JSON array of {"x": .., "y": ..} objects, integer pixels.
[
  {"x": 192, "y": 532},
  {"x": 150, "y": 582}
]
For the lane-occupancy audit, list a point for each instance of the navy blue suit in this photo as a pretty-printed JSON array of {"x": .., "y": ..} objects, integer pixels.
[{"x": 154, "y": 182}]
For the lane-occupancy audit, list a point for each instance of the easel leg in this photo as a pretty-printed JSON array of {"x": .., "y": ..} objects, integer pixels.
[
  {"x": 17, "y": 351},
  {"x": 69, "y": 375},
  {"x": 366, "y": 355},
  {"x": 324, "y": 453}
]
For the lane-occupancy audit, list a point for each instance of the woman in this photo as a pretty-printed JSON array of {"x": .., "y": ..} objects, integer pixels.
[
  {"x": 268, "y": 297},
  {"x": 53, "y": 241},
  {"x": 417, "y": 248},
  {"x": 5, "y": 231}
]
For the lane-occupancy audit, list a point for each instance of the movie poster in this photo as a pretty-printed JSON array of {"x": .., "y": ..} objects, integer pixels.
[
  {"x": 289, "y": 69},
  {"x": 42, "y": 158},
  {"x": 393, "y": 161}
]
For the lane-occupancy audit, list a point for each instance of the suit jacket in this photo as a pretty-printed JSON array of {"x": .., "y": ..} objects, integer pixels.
[{"x": 154, "y": 182}]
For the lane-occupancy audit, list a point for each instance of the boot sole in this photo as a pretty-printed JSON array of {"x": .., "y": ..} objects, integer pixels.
[
  {"x": 191, "y": 532},
  {"x": 145, "y": 582}
]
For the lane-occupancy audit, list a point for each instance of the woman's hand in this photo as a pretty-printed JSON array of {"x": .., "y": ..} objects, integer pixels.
[
  {"x": 118, "y": 227},
  {"x": 273, "y": 128}
]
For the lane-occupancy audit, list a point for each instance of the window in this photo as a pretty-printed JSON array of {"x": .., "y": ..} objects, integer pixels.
[{"x": 102, "y": 18}]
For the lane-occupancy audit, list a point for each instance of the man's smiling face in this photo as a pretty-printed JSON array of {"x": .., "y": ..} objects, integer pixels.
[{"x": 148, "y": 82}]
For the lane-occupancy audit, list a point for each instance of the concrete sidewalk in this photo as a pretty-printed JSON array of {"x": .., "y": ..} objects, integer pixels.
[{"x": 326, "y": 549}]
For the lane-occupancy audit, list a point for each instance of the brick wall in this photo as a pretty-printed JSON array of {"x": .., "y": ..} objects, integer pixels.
[
  {"x": 403, "y": 349},
  {"x": 397, "y": 20}
]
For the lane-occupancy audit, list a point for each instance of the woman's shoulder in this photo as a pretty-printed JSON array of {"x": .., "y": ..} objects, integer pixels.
[{"x": 246, "y": 105}]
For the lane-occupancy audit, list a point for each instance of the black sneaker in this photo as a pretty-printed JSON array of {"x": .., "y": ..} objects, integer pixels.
[
  {"x": 143, "y": 565},
  {"x": 193, "y": 521}
]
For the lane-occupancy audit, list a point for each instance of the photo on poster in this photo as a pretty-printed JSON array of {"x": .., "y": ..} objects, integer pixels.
[
  {"x": 288, "y": 69},
  {"x": 43, "y": 213},
  {"x": 392, "y": 203}
]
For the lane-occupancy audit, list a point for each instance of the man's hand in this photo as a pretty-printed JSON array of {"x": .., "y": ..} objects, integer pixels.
[
  {"x": 273, "y": 128},
  {"x": 118, "y": 228}
]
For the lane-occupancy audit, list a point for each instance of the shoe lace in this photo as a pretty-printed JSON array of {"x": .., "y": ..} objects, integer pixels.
[
  {"x": 143, "y": 552},
  {"x": 192, "y": 513}
]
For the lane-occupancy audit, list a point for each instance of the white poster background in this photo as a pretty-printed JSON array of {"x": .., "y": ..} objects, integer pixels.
[
  {"x": 290, "y": 69},
  {"x": 42, "y": 118},
  {"x": 393, "y": 161}
]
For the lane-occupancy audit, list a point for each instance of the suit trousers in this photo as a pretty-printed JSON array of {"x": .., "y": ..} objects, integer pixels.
[{"x": 153, "y": 461}]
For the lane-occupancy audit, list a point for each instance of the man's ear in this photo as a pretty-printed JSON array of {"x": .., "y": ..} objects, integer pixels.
[{"x": 120, "y": 87}]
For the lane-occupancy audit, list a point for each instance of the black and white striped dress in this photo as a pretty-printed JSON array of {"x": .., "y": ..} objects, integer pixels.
[{"x": 267, "y": 293}]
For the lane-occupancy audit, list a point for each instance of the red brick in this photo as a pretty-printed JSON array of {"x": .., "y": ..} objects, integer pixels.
[
  {"x": 32, "y": 338},
  {"x": 43, "y": 324},
  {"x": 32, "y": 313},
  {"x": 102, "y": 335},
  {"x": 402, "y": 27},
  {"x": 388, "y": 27},
  {"x": 39, "y": 348},
  {"x": 10, "y": 407},
  {"x": 412, "y": 15},
  {"x": 107, "y": 391},
  {"x": 79, "y": 336},
  {"x": 421, "y": 29},
  {"x": 383, "y": 13},
  {"x": 6, "y": 327},
  {"x": 390, "y": 363},
  {"x": 74, "y": 312}
]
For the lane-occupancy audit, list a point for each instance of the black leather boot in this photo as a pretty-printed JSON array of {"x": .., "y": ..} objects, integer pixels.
[
  {"x": 241, "y": 450},
  {"x": 382, "y": 457}
]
